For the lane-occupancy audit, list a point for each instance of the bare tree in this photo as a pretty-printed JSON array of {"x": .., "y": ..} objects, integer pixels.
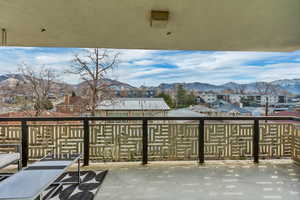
[
  {"x": 92, "y": 66},
  {"x": 37, "y": 85},
  {"x": 265, "y": 88}
]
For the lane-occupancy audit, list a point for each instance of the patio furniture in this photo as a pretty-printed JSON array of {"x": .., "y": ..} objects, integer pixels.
[
  {"x": 11, "y": 158},
  {"x": 30, "y": 182}
]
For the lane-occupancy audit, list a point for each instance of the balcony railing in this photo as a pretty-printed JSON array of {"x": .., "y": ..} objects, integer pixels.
[{"x": 155, "y": 138}]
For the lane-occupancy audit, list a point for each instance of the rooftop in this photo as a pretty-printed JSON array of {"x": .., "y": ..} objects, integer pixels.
[
  {"x": 134, "y": 104},
  {"x": 31, "y": 113},
  {"x": 201, "y": 108},
  {"x": 73, "y": 100},
  {"x": 184, "y": 112},
  {"x": 224, "y": 106}
]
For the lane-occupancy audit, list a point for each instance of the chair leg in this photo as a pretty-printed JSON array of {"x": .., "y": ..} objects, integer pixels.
[
  {"x": 19, "y": 165},
  {"x": 78, "y": 171},
  {"x": 5, "y": 175}
]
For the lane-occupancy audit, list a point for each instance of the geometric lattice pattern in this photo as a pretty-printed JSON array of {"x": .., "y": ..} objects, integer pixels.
[
  {"x": 296, "y": 145},
  {"x": 44, "y": 139},
  {"x": 115, "y": 142},
  {"x": 172, "y": 142},
  {"x": 228, "y": 141},
  {"x": 9, "y": 134},
  {"x": 234, "y": 141},
  {"x": 123, "y": 141},
  {"x": 275, "y": 140}
]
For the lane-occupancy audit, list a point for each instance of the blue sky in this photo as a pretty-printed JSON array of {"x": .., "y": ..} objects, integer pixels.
[{"x": 152, "y": 67}]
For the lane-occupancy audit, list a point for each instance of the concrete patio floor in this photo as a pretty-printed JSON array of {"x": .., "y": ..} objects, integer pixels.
[{"x": 214, "y": 180}]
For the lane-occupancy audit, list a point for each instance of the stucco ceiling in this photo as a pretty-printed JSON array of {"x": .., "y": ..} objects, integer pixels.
[{"x": 260, "y": 25}]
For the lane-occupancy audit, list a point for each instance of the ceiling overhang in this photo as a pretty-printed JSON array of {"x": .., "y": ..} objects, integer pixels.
[{"x": 243, "y": 25}]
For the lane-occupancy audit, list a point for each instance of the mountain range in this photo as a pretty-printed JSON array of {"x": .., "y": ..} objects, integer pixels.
[
  {"x": 291, "y": 86},
  {"x": 287, "y": 85},
  {"x": 11, "y": 80}
]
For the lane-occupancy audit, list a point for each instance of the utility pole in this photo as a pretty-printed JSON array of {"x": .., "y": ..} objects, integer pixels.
[{"x": 267, "y": 106}]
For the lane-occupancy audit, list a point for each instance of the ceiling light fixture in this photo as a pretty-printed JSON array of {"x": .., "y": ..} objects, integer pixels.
[{"x": 159, "y": 18}]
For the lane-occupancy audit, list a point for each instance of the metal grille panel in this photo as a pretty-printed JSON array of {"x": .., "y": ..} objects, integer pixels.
[
  {"x": 296, "y": 145},
  {"x": 123, "y": 142}
]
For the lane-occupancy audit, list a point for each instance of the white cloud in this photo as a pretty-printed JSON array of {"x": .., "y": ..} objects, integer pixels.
[
  {"x": 20, "y": 48},
  {"x": 144, "y": 62},
  {"x": 212, "y": 67},
  {"x": 153, "y": 67},
  {"x": 53, "y": 58},
  {"x": 127, "y": 55}
]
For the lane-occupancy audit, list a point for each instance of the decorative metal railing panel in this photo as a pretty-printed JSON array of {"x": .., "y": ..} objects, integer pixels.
[
  {"x": 275, "y": 140},
  {"x": 228, "y": 141},
  {"x": 222, "y": 141},
  {"x": 116, "y": 142},
  {"x": 44, "y": 139},
  {"x": 234, "y": 141},
  {"x": 123, "y": 141},
  {"x": 9, "y": 134},
  {"x": 173, "y": 142},
  {"x": 296, "y": 145}
]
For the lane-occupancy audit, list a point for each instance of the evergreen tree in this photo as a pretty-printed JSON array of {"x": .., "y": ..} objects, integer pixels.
[
  {"x": 181, "y": 97},
  {"x": 190, "y": 99},
  {"x": 167, "y": 98},
  {"x": 184, "y": 98}
]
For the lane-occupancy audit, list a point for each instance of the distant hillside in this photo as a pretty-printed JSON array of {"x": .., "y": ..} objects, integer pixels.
[
  {"x": 11, "y": 80},
  {"x": 289, "y": 85},
  {"x": 115, "y": 85},
  {"x": 194, "y": 86}
]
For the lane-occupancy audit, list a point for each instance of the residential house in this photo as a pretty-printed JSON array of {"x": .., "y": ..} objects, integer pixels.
[
  {"x": 263, "y": 99},
  {"x": 132, "y": 107},
  {"x": 204, "y": 110},
  {"x": 223, "y": 108},
  {"x": 290, "y": 113},
  {"x": 207, "y": 97},
  {"x": 184, "y": 112},
  {"x": 256, "y": 111},
  {"x": 31, "y": 113},
  {"x": 73, "y": 104}
]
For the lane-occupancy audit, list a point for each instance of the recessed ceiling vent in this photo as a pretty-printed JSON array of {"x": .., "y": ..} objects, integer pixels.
[{"x": 159, "y": 18}]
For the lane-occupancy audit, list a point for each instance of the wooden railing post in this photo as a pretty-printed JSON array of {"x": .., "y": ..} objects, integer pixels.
[
  {"x": 86, "y": 142},
  {"x": 201, "y": 141},
  {"x": 24, "y": 142},
  {"x": 256, "y": 141},
  {"x": 145, "y": 142}
]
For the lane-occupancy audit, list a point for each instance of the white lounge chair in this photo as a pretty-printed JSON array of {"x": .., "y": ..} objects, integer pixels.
[
  {"x": 11, "y": 158},
  {"x": 30, "y": 182}
]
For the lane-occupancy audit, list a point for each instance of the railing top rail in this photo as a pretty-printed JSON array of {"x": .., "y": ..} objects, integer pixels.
[{"x": 23, "y": 119}]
